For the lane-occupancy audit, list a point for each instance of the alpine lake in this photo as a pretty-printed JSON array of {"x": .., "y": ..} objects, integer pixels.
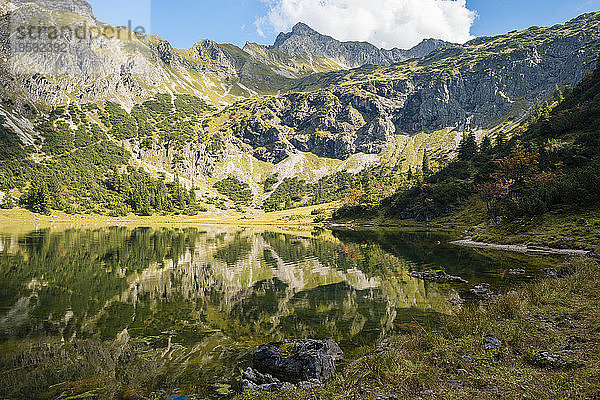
[{"x": 112, "y": 312}]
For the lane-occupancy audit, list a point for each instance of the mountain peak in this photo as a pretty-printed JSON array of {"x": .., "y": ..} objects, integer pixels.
[{"x": 302, "y": 29}]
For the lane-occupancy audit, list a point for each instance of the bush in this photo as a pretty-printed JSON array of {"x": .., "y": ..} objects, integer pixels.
[
  {"x": 36, "y": 200},
  {"x": 239, "y": 192}
]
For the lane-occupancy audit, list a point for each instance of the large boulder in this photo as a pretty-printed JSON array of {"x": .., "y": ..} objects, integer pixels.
[{"x": 299, "y": 360}]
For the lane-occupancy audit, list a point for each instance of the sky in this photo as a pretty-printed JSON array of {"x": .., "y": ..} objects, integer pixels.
[{"x": 385, "y": 23}]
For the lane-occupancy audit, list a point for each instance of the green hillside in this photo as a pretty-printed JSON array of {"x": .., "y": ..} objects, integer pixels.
[{"x": 548, "y": 167}]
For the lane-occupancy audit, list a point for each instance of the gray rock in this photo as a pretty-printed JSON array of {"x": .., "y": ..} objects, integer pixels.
[
  {"x": 491, "y": 388},
  {"x": 252, "y": 380},
  {"x": 467, "y": 359},
  {"x": 383, "y": 346},
  {"x": 483, "y": 290},
  {"x": 378, "y": 395},
  {"x": 553, "y": 360},
  {"x": 438, "y": 276},
  {"x": 516, "y": 271},
  {"x": 457, "y": 302},
  {"x": 491, "y": 342},
  {"x": 299, "y": 360},
  {"x": 310, "y": 384},
  {"x": 553, "y": 273}
]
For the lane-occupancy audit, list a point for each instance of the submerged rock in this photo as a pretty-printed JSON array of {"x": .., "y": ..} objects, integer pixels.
[
  {"x": 438, "y": 276},
  {"x": 305, "y": 362}
]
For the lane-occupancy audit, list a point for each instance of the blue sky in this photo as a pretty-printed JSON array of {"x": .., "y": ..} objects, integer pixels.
[{"x": 184, "y": 22}]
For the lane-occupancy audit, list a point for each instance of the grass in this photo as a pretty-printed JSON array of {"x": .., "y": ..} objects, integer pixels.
[
  {"x": 567, "y": 227},
  {"x": 563, "y": 228},
  {"x": 19, "y": 220},
  {"x": 546, "y": 315}
]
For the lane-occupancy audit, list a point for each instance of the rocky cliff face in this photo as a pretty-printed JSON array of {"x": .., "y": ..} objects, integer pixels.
[
  {"x": 304, "y": 41},
  {"x": 89, "y": 65},
  {"x": 80, "y": 7}
]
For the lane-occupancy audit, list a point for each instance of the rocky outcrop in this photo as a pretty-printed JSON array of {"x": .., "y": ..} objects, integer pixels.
[
  {"x": 215, "y": 58},
  {"x": 289, "y": 364},
  {"x": 484, "y": 292},
  {"x": 299, "y": 360},
  {"x": 491, "y": 342}
]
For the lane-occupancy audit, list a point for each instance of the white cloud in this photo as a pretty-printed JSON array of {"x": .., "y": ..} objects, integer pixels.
[{"x": 385, "y": 23}]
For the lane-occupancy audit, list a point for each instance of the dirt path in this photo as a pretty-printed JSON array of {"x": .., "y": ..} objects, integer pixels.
[{"x": 520, "y": 248}]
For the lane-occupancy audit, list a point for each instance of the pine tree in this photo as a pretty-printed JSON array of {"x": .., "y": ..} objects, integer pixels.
[
  {"x": 369, "y": 197},
  {"x": 486, "y": 145},
  {"x": 426, "y": 164},
  {"x": 36, "y": 200},
  {"x": 178, "y": 195},
  {"x": 7, "y": 202},
  {"x": 500, "y": 144},
  {"x": 468, "y": 147}
]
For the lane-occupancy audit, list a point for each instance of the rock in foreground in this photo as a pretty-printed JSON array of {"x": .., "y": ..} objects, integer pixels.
[{"x": 305, "y": 362}]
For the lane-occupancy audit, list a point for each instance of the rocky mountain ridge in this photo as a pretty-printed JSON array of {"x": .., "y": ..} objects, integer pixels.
[
  {"x": 487, "y": 85},
  {"x": 305, "y": 41}
]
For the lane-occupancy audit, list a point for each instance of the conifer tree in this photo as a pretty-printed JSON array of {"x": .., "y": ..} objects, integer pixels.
[
  {"x": 486, "y": 145},
  {"x": 426, "y": 164},
  {"x": 468, "y": 147},
  {"x": 500, "y": 142}
]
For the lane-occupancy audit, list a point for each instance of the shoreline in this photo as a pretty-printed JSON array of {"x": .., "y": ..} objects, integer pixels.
[
  {"x": 21, "y": 220},
  {"x": 520, "y": 248}
]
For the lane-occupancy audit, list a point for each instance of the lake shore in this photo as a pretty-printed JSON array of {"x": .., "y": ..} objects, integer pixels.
[
  {"x": 467, "y": 242},
  {"x": 21, "y": 220},
  {"x": 546, "y": 346}
]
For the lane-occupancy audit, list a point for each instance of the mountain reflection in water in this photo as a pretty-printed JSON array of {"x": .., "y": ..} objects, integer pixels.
[{"x": 123, "y": 308}]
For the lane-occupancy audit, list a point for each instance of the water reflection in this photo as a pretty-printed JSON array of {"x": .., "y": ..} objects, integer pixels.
[{"x": 190, "y": 303}]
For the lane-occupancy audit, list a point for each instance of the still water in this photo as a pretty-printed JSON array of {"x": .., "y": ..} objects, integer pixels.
[{"x": 107, "y": 312}]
